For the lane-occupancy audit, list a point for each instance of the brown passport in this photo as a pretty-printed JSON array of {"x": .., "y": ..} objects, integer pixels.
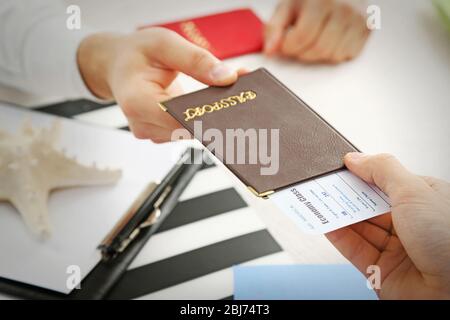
[{"x": 257, "y": 105}]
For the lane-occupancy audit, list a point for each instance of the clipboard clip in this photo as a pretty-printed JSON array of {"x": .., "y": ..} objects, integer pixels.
[
  {"x": 145, "y": 211},
  {"x": 151, "y": 220}
]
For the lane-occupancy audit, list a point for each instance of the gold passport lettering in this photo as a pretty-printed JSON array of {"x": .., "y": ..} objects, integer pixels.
[
  {"x": 193, "y": 33},
  {"x": 243, "y": 97}
]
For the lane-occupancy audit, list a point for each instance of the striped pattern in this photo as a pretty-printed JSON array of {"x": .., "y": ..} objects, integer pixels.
[{"x": 210, "y": 230}]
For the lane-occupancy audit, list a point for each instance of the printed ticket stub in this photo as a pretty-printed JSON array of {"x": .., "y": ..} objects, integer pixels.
[{"x": 331, "y": 202}]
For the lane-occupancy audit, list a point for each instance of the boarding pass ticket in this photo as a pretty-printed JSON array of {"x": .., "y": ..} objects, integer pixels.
[{"x": 331, "y": 202}]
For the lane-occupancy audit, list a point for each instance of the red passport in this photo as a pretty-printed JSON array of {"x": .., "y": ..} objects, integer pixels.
[{"x": 225, "y": 35}]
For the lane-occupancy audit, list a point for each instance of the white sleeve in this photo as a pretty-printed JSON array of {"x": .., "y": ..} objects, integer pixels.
[{"x": 38, "y": 53}]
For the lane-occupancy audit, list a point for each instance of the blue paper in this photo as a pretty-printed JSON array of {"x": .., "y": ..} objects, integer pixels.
[{"x": 300, "y": 282}]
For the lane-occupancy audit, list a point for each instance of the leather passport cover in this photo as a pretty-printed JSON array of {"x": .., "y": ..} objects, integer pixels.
[
  {"x": 308, "y": 146},
  {"x": 225, "y": 35}
]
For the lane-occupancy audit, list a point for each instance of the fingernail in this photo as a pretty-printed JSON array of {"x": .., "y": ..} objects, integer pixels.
[
  {"x": 221, "y": 72},
  {"x": 355, "y": 156}
]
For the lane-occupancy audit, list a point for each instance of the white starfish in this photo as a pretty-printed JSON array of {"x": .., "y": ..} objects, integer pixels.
[{"x": 31, "y": 167}]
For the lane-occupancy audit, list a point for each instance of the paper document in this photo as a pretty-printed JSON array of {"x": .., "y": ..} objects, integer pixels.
[{"x": 331, "y": 202}]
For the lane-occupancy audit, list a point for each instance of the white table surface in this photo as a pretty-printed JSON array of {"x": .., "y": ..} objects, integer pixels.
[{"x": 394, "y": 98}]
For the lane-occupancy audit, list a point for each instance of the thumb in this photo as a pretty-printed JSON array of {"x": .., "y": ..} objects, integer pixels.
[
  {"x": 181, "y": 55},
  {"x": 385, "y": 171},
  {"x": 274, "y": 30}
]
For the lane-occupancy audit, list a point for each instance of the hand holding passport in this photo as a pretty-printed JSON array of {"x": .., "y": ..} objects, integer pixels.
[
  {"x": 306, "y": 176},
  {"x": 280, "y": 142}
]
